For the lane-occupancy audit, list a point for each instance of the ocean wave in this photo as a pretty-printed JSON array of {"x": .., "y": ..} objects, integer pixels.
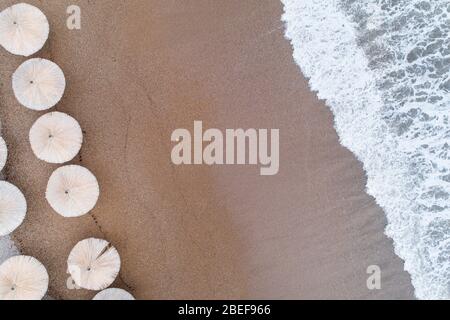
[{"x": 383, "y": 67}]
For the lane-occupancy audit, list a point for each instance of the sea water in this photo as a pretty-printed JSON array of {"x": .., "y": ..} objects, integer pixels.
[{"x": 383, "y": 67}]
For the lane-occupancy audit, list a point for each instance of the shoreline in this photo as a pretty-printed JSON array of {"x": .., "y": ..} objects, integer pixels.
[{"x": 199, "y": 232}]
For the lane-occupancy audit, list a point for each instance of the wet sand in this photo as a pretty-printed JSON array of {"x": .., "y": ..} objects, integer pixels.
[{"x": 136, "y": 71}]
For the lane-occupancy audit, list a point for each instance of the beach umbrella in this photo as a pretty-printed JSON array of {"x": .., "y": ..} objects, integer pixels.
[
  {"x": 113, "y": 294},
  {"x": 56, "y": 137},
  {"x": 3, "y": 153},
  {"x": 72, "y": 191},
  {"x": 93, "y": 264},
  {"x": 38, "y": 84},
  {"x": 24, "y": 29},
  {"x": 13, "y": 208},
  {"x": 23, "y": 278}
]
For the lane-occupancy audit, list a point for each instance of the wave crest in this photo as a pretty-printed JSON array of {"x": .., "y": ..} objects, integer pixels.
[{"x": 383, "y": 68}]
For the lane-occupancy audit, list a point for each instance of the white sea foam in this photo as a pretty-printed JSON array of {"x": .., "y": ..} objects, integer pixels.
[{"x": 383, "y": 68}]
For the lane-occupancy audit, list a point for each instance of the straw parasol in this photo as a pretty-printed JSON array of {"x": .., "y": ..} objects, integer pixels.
[
  {"x": 38, "y": 84},
  {"x": 3, "y": 153},
  {"x": 56, "y": 137},
  {"x": 93, "y": 264},
  {"x": 72, "y": 191},
  {"x": 24, "y": 29},
  {"x": 23, "y": 278},
  {"x": 13, "y": 208},
  {"x": 113, "y": 294}
]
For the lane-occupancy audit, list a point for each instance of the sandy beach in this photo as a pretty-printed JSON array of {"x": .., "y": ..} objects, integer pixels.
[{"x": 136, "y": 71}]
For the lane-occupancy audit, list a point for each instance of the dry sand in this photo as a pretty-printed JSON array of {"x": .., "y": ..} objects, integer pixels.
[{"x": 136, "y": 71}]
